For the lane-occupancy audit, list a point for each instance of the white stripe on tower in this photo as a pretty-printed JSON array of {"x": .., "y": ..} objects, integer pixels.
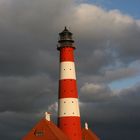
[
  {"x": 68, "y": 107},
  {"x": 67, "y": 70}
]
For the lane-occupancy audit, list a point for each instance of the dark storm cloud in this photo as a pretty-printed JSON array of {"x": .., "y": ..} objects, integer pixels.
[
  {"x": 109, "y": 75},
  {"x": 102, "y": 35},
  {"x": 16, "y": 123},
  {"x": 95, "y": 92},
  {"x": 26, "y": 94},
  {"x": 30, "y": 28},
  {"x": 27, "y": 37},
  {"x": 119, "y": 115},
  {"x": 107, "y": 48}
]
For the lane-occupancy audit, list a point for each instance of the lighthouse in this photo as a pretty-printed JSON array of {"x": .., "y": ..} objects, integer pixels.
[
  {"x": 68, "y": 107},
  {"x": 69, "y": 122}
]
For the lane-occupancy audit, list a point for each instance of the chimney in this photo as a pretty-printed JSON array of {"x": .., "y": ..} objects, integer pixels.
[
  {"x": 86, "y": 125},
  {"x": 48, "y": 116}
]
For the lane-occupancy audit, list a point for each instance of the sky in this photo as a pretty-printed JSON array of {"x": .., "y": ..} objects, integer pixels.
[
  {"x": 107, "y": 58},
  {"x": 126, "y": 6}
]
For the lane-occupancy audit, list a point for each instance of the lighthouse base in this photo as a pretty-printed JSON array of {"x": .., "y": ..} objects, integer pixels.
[{"x": 71, "y": 126}]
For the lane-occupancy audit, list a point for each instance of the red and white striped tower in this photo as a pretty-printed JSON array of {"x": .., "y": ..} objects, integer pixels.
[{"x": 68, "y": 110}]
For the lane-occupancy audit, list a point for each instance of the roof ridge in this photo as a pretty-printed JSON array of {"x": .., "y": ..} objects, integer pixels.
[{"x": 52, "y": 130}]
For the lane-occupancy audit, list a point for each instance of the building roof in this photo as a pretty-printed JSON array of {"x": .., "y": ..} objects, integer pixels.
[
  {"x": 87, "y": 134},
  {"x": 45, "y": 130}
]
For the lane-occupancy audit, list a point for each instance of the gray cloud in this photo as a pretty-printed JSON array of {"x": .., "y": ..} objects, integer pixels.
[
  {"x": 107, "y": 45},
  {"x": 118, "y": 115},
  {"x": 103, "y": 36},
  {"x": 111, "y": 74},
  {"x": 26, "y": 94},
  {"x": 95, "y": 92}
]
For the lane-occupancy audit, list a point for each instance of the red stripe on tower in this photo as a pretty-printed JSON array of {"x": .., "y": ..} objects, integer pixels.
[{"x": 68, "y": 111}]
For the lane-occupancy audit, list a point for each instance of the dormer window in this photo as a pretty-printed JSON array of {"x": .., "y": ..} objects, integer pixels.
[{"x": 39, "y": 133}]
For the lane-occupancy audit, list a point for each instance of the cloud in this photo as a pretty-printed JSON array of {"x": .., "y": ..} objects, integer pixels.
[
  {"x": 53, "y": 107},
  {"x": 91, "y": 92},
  {"x": 107, "y": 43},
  {"x": 112, "y": 74},
  {"x": 103, "y": 36},
  {"x": 118, "y": 114},
  {"x": 100, "y": 36},
  {"x": 30, "y": 94},
  {"x": 121, "y": 106}
]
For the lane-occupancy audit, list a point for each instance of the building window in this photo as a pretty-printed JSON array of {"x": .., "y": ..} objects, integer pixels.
[{"x": 39, "y": 133}]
